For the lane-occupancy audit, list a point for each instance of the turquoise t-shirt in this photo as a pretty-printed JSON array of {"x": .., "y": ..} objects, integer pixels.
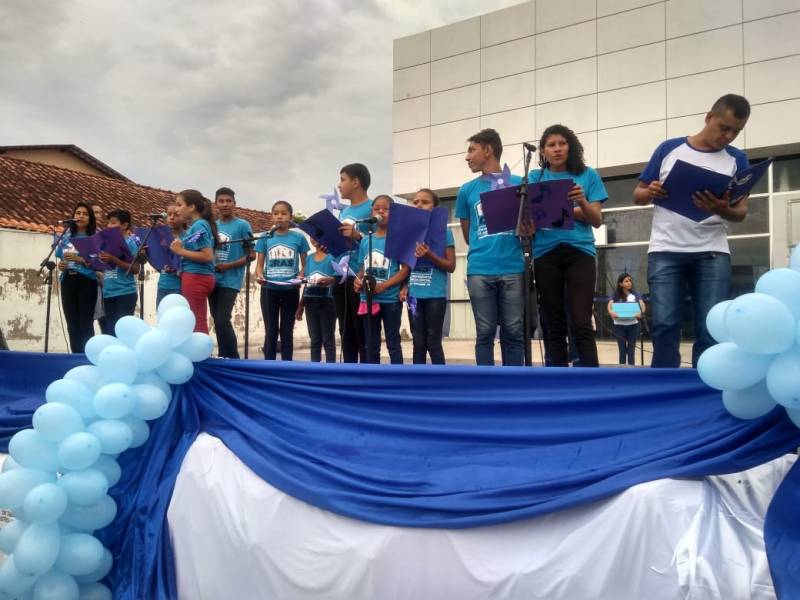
[
  {"x": 580, "y": 236},
  {"x": 282, "y": 256},
  {"x": 316, "y": 269},
  {"x": 383, "y": 268},
  {"x": 197, "y": 237},
  {"x": 430, "y": 282},
  {"x": 489, "y": 254},
  {"x": 117, "y": 281},
  {"x": 235, "y": 229},
  {"x": 66, "y": 246},
  {"x": 351, "y": 214},
  {"x": 169, "y": 281}
]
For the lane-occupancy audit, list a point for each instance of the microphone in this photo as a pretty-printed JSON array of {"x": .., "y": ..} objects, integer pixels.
[
  {"x": 67, "y": 222},
  {"x": 271, "y": 231},
  {"x": 161, "y": 215},
  {"x": 371, "y": 220},
  {"x": 529, "y": 147}
]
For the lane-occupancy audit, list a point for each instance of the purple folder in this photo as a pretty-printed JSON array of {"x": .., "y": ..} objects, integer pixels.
[
  {"x": 113, "y": 242},
  {"x": 323, "y": 226},
  {"x": 550, "y": 206},
  {"x": 157, "y": 248},
  {"x": 407, "y": 227},
  {"x": 89, "y": 249},
  {"x": 436, "y": 239}
]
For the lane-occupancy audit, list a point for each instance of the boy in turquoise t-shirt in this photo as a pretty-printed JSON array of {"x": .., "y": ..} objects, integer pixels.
[{"x": 119, "y": 284}]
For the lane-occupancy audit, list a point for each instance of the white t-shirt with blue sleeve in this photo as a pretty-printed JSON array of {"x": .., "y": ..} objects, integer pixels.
[{"x": 672, "y": 232}]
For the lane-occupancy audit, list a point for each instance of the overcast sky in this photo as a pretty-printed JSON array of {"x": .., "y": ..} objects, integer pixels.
[{"x": 269, "y": 97}]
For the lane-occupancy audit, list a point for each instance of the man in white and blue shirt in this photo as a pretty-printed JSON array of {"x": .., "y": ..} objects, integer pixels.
[{"x": 683, "y": 251}]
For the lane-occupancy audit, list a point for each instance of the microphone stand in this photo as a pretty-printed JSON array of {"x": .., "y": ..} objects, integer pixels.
[
  {"x": 141, "y": 258},
  {"x": 526, "y": 240},
  {"x": 48, "y": 280},
  {"x": 247, "y": 245},
  {"x": 369, "y": 289}
]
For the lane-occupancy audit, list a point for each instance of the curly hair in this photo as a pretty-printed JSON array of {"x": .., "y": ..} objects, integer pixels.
[{"x": 575, "y": 162}]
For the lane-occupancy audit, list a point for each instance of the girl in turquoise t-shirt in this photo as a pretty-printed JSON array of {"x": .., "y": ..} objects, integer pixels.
[
  {"x": 119, "y": 285},
  {"x": 280, "y": 264},
  {"x": 169, "y": 281}
]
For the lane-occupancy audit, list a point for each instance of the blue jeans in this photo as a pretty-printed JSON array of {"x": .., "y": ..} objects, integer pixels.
[
  {"x": 390, "y": 315},
  {"x": 708, "y": 275},
  {"x": 626, "y": 336},
  {"x": 426, "y": 330},
  {"x": 497, "y": 300}
]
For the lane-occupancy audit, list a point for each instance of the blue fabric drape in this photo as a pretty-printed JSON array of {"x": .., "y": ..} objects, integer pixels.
[{"x": 449, "y": 447}]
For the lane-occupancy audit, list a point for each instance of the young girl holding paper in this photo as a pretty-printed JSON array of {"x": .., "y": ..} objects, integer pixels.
[
  {"x": 196, "y": 249},
  {"x": 626, "y": 329},
  {"x": 169, "y": 281},
  {"x": 426, "y": 292},
  {"x": 388, "y": 274},
  {"x": 317, "y": 301},
  {"x": 564, "y": 259},
  {"x": 78, "y": 282},
  {"x": 119, "y": 285}
]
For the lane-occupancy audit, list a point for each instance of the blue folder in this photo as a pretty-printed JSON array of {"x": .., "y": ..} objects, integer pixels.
[{"x": 626, "y": 310}]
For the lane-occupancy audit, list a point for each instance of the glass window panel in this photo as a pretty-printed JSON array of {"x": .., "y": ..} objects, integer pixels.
[
  {"x": 786, "y": 175},
  {"x": 611, "y": 263},
  {"x": 620, "y": 191},
  {"x": 749, "y": 261},
  {"x": 450, "y": 205},
  {"x": 628, "y": 225},
  {"x": 757, "y": 220},
  {"x": 762, "y": 187}
]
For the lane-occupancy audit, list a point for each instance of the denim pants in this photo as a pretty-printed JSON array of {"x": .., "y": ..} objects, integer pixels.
[
  {"x": 497, "y": 300},
  {"x": 708, "y": 275},
  {"x": 351, "y": 333},
  {"x": 279, "y": 308},
  {"x": 78, "y": 297},
  {"x": 220, "y": 303},
  {"x": 390, "y": 315},
  {"x": 115, "y": 308},
  {"x": 321, "y": 322},
  {"x": 426, "y": 330},
  {"x": 626, "y": 336}
]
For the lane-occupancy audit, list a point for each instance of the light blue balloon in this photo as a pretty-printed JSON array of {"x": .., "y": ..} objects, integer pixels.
[
  {"x": 151, "y": 402},
  {"x": 177, "y": 369},
  {"x": 152, "y": 349},
  {"x": 783, "y": 284},
  {"x": 110, "y": 469},
  {"x": 45, "y": 503},
  {"x": 760, "y": 324},
  {"x": 197, "y": 347},
  {"x": 139, "y": 429},
  {"x": 76, "y": 394},
  {"x": 151, "y": 378},
  {"x": 129, "y": 329},
  {"x": 114, "y": 400},
  {"x": 78, "y": 451},
  {"x": 84, "y": 487},
  {"x": 178, "y": 322},
  {"x": 15, "y": 485},
  {"x": 715, "y": 322},
  {"x": 114, "y": 435},
  {"x": 8, "y": 464},
  {"x": 88, "y": 375},
  {"x": 57, "y": 421},
  {"x": 94, "y": 591},
  {"x": 118, "y": 364},
  {"x": 171, "y": 301},
  {"x": 79, "y": 554},
  {"x": 794, "y": 258},
  {"x": 10, "y": 534},
  {"x": 101, "y": 571},
  {"x": 749, "y": 403},
  {"x": 37, "y": 548},
  {"x": 97, "y": 344},
  {"x": 12, "y": 582},
  {"x": 783, "y": 379},
  {"x": 90, "y": 518},
  {"x": 30, "y": 449},
  {"x": 56, "y": 585},
  {"x": 727, "y": 367}
]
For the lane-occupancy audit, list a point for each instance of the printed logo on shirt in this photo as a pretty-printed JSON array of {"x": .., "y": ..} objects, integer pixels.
[
  {"x": 223, "y": 247},
  {"x": 380, "y": 265},
  {"x": 421, "y": 277},
  {"x": 281, "y": 261}
]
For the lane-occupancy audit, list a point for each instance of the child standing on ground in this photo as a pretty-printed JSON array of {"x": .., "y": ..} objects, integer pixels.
[
  {"x": 626, "y": 329},
  {"x": 318, "y": 303}
]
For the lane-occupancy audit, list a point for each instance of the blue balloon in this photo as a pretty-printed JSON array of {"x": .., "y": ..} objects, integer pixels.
[
  {"x": 88, "y": 375},
  {"x": 197, "y": 347},
  {"x": 10, "y": 534},
  {"x": 715, "y": 321},
  {"x": 150, "y": 378},
  {"x": 783, "y": 379},
  {"x": 15, "y": 485},
  {"x": 114, "y": 435},
  {"x": 114, "y": 400},
  {"x": 101, "y": 571},
  {"x": 728, "y": 367},
  {"x": 97, "y": 344},
  {"x": 45, "y": 503},
  {"x": 56, "y": 585},
  {"x": 139, "y": 429},
  {"x": 171, "y": 301},
  {"x": 178, "y": 322},
  {"x": 129, "y": 329},
  {"x": 78, "y": 451},
  {"x": 152, "y": 349},
  {"x": 79, "y": 554},
  {"x": 12, "y": 582},
  {"x": 84, "y": 487},
  {"x": 90, "y": 518},
  {"x": 76, "y": 394},
  {"x": 37, "y": 548},
  {"x": 177, "y": 370},
  {"x": 749, "y": 403},
  {"x": 760, "y": 324},
  {"x": 57, "y": 421},
  {"x": 110, "y": 468},
  {"x": 118, "y": 365},
  {"x": 94, "y": 591},
  {"x": 783, "y": 284},
  {"x": 30, "y": 449},
  {"x": 151, "y": 402}
]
